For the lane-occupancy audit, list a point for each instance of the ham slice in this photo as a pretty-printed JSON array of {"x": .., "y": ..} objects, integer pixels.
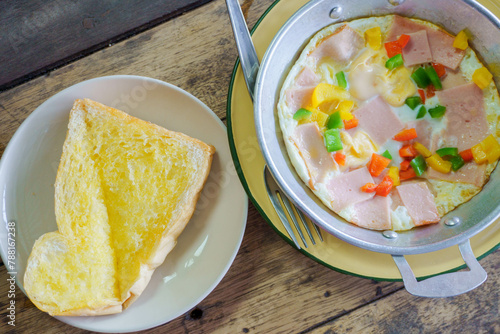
[
  {"x": 417, "y": 51},
  {"x": 419, "y": 202},
  {"x": 470, "y": 173},
  {"x": 298, "y": 97},
  {"x": 465, "y": 117},
  {"x": 453, "y": 79},
  {"x": 307, "y": 78},
  {"x": 303, "y": 87},
  {"x": 424, "y": 132},
  {"x": 378, "y": 120},
  {"x": 342, "y": 45},
  {"x": 373, "y": 214},
  {"x": 309, "y": 141},
  {"x": 440, "y": 42},
  {"x": 345, "y": 190}
]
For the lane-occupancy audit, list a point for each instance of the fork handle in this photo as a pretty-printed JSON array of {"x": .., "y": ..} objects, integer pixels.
[{"x": 246, "y": 50}]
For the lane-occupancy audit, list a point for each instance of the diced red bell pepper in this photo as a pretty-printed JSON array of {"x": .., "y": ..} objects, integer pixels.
[
  {"x": 467, "y": 155},
  {"x": 430, "y": 91},
  {"x": 352, "y": 123},
  {"x": 440, "y": 69},
  {"x": 369, "y": 187},
  {"x": 404, "y": 165},
  {"x": 378, "y": 164},
  {"x": 407, "y": 174},
  {"x": 393, "y": 48},
  {"x": 406, "y": 134},
  {"x": 408, "y": 151},
  {"x": 340, "y": 158},
  {"x": 422, "y": 95},
  {"x": 384, "y": 187},
  {"x": 403, "y": 40}
]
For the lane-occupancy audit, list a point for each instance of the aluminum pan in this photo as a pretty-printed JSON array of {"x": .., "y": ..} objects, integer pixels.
[{"x": 454, "y": 16}]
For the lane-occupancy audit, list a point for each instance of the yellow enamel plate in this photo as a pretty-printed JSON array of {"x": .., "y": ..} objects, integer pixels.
[{"x": 333, "y": 253}]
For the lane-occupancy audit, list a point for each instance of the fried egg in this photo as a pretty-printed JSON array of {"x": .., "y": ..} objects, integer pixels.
[{"x": 348, "y": 48}]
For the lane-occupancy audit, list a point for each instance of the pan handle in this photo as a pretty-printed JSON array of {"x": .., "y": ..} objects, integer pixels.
[
  {"x": 246, "y": 50},
  {"x": 445, "y": 285}
]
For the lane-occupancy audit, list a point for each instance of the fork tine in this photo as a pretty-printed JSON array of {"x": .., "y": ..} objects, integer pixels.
[
  {"x": 306, "y": 226},
  {"x": 288, "y": 207},
  {"x": 304, "y": 221}
]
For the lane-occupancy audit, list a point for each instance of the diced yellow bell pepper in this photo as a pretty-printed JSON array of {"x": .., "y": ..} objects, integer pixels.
[
  {"x": 345, "y": 108},
  {"x": 460, "y": 41},
  {"x": 316, "y": 116},
  {"x": 373, "y": 37},
  {"x": 422, "y": 149},
  {"x": 482, "y": 77},
  {"x": 438, "y": 164},
  {"x": 479, "y": 154},
  {"x": 491, "y": 148},
  {"x": 394, "y": 175},
  {"x": 325, "y": 92}
]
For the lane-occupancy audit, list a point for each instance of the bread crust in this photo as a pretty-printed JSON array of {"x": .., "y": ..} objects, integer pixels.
[{"x": 167, "y": 241}]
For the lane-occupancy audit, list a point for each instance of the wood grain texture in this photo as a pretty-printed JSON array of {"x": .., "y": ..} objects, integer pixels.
[
  {"x": 39, "y": 35},
  {"x": 477, "y": 311}
]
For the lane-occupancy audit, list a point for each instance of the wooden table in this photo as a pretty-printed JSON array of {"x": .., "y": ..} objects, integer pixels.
[{"x": 270, "y": 288}]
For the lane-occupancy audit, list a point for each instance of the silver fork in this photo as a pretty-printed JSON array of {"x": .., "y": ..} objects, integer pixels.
[
  {"x": 282, "y": 203},
  {"x": 250, "y": 66}
]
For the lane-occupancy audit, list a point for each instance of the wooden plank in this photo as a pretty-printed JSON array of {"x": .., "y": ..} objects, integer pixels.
[
  {"x": 270, "y": 288},
  {"x": 477, "y": 311},
  {"x": 182, "y": 52},
  {"x": 40, "y": 35}
]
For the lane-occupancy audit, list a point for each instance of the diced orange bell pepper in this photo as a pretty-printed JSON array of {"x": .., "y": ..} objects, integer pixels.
[
  {"x": 407, "y": 174},
  {"x": 340, "y": 158},
  {"x": 404, "y": 165},
  {"x": 378, "y": 164},
  {"x": 422, "y": 95},
  {"x": 385, "y": 187},
  {"x": 467, "y": 155},
  {"x": 392, "y": 48},
  {"x": 406, "y": 134},
  {"x": 440, "y": 69},
  {"x": 407, "y": 151},
  {"x": 352, "y": 123},
  {"x": 369, "y": 187},
  {"x": 403, "y": 40}
]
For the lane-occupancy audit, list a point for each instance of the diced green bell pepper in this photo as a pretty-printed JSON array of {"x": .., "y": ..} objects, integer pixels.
[
  {"x": 387, "y": 155},
  {"x": 433, "y": 77},
  {"x": 334, "y": 121},
  {"x": 413, "y": 101},
  {"x": 333, "y": 142},
  {"x": 421, "y": 78},
  {"x": 394, "y": 62},
  {"x": 301, "y": 114},
  {"x": 421, "y": 112},
  {"x": 456, "y": 162},
  {"x": 437, "y": 111},
  {"x": 451, "y": 151},
  {"x": 341, "y": 81},
  {"x": 419, "y": 165}
]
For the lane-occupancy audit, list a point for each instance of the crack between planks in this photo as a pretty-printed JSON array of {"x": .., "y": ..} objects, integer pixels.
[
  {"x": 322, "y": 323},
  {"x": 100, "y": 46}
]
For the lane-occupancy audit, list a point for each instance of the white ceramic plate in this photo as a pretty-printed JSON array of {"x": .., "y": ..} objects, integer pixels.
[{"x": 206, "y": 248}]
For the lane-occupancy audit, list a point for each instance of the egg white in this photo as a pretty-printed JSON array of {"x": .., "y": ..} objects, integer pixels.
[{"x": 448, "y": 195}]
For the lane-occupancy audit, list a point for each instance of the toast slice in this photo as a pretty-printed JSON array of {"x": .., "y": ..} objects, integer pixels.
[{"x": 125, "y": 190}]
